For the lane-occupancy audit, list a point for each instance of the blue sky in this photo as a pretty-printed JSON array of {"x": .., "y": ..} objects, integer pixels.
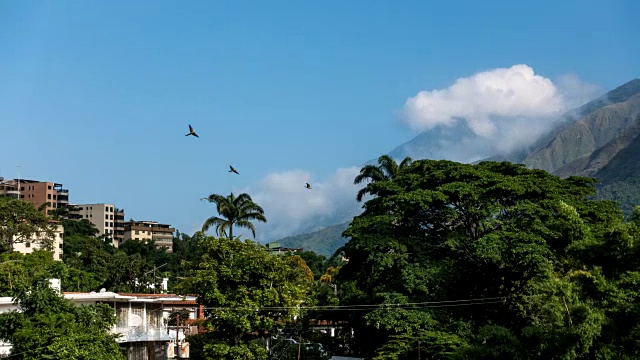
[{"x": 97, "y": 95}]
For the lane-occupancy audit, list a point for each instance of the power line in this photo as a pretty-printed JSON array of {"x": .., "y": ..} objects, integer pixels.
[{"x": 360, "y": 307}]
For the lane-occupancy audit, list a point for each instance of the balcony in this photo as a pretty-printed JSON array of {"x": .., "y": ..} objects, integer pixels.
[
  {"x": 141, "y": 333},
  {"x": 12, "y": 194},
  {"x": 62, "y": 191}
]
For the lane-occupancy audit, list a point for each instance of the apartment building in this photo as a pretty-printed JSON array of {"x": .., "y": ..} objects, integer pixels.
[
  {"x": 108, "y": 219},
  {"x": 28, "y": 247},
  {"x": 37, "y": 192},
  {"x": 9, "y": 188},
  {"x": 150, "y": 230}
]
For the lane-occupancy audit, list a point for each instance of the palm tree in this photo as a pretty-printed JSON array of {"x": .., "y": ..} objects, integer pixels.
[
  {"x": 387, "y": 169},
  {"x": 238, "y": 211}
]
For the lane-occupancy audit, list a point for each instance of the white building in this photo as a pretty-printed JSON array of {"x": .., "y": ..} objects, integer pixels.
[
  {"x": 27, "y": 247},
  {"x": 142, "y": 321}
]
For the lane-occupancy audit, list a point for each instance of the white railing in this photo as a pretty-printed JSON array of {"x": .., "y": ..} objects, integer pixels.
[{"x": 138, "y": 333}]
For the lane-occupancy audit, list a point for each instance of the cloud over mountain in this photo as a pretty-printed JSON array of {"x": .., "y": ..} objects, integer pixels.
[
  {"x": 477, "y": 116},
  {"x": 495, "y": 111},
  {"x": 290, "y": 208}
]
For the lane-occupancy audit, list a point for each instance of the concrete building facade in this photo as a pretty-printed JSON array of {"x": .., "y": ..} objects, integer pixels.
[
  {"x": 36, "y": 242},
  {"x": 162, "y": 234},
  {"x": 108, "y": 219}
]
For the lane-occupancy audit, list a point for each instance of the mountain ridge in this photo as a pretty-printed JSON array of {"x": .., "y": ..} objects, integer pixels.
[{"x": 600, "y": 139}]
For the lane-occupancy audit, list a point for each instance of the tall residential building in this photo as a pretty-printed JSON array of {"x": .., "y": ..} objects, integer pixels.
[
  {"x": 118, "y": 223},
  {"x": 37, "y": 193},
  {"x": 28, "y": 247},
  {"x": 150, "y": 230},
  {"x": 103, "y": 216}
]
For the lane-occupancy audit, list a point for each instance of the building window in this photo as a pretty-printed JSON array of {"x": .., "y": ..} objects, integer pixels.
[
  {"x": 28, "y": 244},
  {"x": 137, "y": 233},
  {"x": 110, "y": 217},
  {"x": 48, "y": 196},
  {"x": 60, "y": 246},
  {"x": 106, "y": 223},
  {"x": 60, "y": 256},
  {"x": 49, "y": 187},
  {"x": 111, "y": 224}
]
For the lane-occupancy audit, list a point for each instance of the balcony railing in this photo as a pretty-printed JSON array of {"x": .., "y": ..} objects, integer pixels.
[
  {"x": 62, "y": 191},
  {"x": 139, "y": 333},
  {"x": 12, "y": 194}
]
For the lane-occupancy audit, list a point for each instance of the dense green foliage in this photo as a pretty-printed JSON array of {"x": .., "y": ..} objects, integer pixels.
[
  {"x": 554, "y": 271},
  {"x": 247, "y": 293},
  {"x": 50, "y": 327},
  {"x": 454, "y": 261},
  {"x": 21, "y": 222},
  {"x": 625, "y": 192}
]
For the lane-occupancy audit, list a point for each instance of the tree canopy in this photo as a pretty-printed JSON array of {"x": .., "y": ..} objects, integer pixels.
[
  {"x": 492, "y": 260},
  {"x": 21, "y": 222},
  {"x": 234, "y": 211},
  {"x": 247, "y": 293},
  {"x": 50, "y": 327}
]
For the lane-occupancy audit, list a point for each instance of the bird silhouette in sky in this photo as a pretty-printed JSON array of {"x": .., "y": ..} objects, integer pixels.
[
  {"x": 233, "y": 170},
  {"x": 307, "y": 185},
  {"x": 191, "y": 132}
]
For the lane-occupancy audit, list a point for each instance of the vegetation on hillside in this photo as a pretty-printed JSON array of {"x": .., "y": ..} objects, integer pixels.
[
  {"x": 491, "y": 261},
  {"x": 457, "y": 261},
  {"x": 324, "y": 242}
]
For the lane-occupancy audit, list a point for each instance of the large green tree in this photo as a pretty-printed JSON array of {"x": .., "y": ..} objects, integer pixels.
[
  {"x": 21, "y": 222},
  {"x": 247, "y": 294},
  {"x": 551, "y": 269},
  {"x": 387, "y": 169},
  {"x": 234, "y": 210},
  {"x": 51, "y": 327}
]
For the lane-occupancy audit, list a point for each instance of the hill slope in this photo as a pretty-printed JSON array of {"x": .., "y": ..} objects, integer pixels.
[
  {"x": 599, "y": 139},
  {"x": 324, "y": 242},
  {"x": 585, "y": 136}
]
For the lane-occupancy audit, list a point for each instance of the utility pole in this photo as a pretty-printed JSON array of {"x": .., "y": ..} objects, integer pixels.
[
  {"x": 177, "y": 345},
  {"x": 418, "y": 349},
  {"x": 299, "y": 345}
]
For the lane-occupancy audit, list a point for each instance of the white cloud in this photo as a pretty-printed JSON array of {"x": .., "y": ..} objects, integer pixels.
[
  {"x": 504, "y": 108},
  {"x": 291, "y": 208}
]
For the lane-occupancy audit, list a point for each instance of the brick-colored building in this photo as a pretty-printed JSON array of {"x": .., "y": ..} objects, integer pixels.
[{"x": 37, "y": 192}]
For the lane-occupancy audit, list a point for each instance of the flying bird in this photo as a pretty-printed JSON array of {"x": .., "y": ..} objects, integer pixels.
[
  {"x": 191, "y": 132},
  {"x": 233, "y": 170},
  {"x": 307, "y": 186}
]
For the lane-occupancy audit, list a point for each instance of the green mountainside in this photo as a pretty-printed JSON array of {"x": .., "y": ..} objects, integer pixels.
[{"x": 324, "y": 242}]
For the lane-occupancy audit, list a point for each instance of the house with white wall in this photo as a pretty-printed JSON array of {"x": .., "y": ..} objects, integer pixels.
[{"x": 141, "y": 320}]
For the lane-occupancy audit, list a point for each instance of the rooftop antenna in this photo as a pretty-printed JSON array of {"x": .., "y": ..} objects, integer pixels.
[{"x": 19, "y": 166}]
